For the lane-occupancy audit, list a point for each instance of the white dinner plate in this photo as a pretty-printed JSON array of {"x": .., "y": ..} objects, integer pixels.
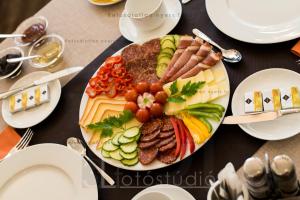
[
  {"x": 48, "y": 172},
  {"x": 104, "y": 4},
  {"x": 133, "y": 34},
  {"x": 172, "y": 191},
  {"x": 281, "y": 128},
  {"x": 34, "y": 116},
  {"x": 256, "y": 21},
  {"x": 155, "y": 164}
]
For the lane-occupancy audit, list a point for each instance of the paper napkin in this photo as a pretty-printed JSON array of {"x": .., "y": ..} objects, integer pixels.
[{"x": 8, "y": 139}]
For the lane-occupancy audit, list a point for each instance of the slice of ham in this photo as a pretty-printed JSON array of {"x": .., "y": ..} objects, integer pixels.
[
  {"x": 175, "y": 57},
  {"x": 212, "y": 59},
  {"x": 204, "y": 50},
  {"x": 197, "y": 42},
  {"x": 194, "y": 60},
  {"x": 195, "y": 70},
  {"x": 182, "y": 60},
  {"x": 185, "y": 41}
]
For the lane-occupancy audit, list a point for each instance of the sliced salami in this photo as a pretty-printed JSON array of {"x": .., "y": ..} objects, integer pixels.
[
  {"x": 168, "y": 146},
  {"x": 151, "y": 126},
  {"x": 167, "y": 157},
  {"x": 166, "y": 141},
  {"x": 151, "y": 136},
  {"x": 167, "y": 125},
  {"x": 166, "y": 134},
  {"x": 145, "y": 145},
  {"x": 146, "y": 156}
]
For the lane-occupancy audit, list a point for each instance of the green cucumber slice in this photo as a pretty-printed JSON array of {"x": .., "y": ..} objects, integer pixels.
[
  {"x": 125, "y": 140},
  {"x": 105, "y": 154},
  {"x": 116, "y": 155},
  {"x": 131, "y": 162},
  {"x": 164, "y": 60},
  {"x": 168, "y": 51},
  {"x": 109, "y": 146},
  {"x": 129, "y": 156},
  {"x": 132, "y": 132},
  {"x": 129, "y": 148},
  {"x": 168, "y": 44},
  {"x": 115, "y": 139},
  {"x": 161, "y": 55},
  {"x": 161, "y": 69},
  {"x": 177, "y": 39},
  {"x": 136, "y": 138},
  {"x": 167, "y": 37}
]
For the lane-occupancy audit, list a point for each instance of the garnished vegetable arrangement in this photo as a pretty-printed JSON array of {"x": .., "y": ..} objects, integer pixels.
[{"x": 112, "y": 79}]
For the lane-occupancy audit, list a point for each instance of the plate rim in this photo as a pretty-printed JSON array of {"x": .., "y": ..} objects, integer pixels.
[
  {"x": 104, "y": 4},
  {"x": 234, "y": 96}
]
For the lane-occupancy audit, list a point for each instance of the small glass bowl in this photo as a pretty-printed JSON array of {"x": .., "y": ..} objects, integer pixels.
[
  {"x": 42, "y": 41},
  {"x": 26, "y": 24},
  {"x": 16, "y": 72}
]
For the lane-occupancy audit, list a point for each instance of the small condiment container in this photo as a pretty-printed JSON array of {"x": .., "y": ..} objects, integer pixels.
[
  {"x": 18, "y": 66},
  {"x": 25, "y": 25},
  {"x": 50, "y": 48}
]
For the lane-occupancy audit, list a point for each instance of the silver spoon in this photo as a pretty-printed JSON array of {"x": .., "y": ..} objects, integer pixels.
[
  {"x": 230, "y": 55},
  {"x": 11, "y": 35},
  {"x": 19, "y": 59},
  {"x": 215, "y": 191},
  {"x": 76, "y": 145}
]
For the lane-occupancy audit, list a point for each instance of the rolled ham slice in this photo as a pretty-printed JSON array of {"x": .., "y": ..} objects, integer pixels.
[
  {"x": 204, "y": 50},
  {"x": 185, "y": 41},
  {"x": 195, "y": 70},
  {"x": 194, "y": 60},
  {"x": 175, "y": 57},
  {"x": 212, "y": 59},
  {"x": 197, "y": 42},
  {"x": 182, "y": 60}
]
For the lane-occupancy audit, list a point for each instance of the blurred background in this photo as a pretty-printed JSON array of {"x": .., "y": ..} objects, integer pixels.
[{"x": 13, "y": 12}]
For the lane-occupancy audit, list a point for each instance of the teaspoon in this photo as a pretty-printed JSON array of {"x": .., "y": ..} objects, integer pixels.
[
  {"x": 76, "y": 145},
  {"x": 230, "y": 55},
  {"x": 19, "y": 59},
  {"x": 11, "y": 35}
]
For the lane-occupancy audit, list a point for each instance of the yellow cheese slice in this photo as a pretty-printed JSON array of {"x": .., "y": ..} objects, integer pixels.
[{"x": 209, "y": 76}]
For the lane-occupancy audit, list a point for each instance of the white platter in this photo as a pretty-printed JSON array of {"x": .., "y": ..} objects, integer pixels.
[
  {"x": 133, "y": 34},
  {"x": 156, "y": 164},
  {"x": 256, "y": 21},
  {"x": 34, "y": 116},
  {"x": 281, "y": 128},
  {"x": 47, "y": 171}
]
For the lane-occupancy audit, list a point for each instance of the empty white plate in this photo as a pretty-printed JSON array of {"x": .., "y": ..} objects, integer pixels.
[
  {"x": 256, "y": 21},
  {"x": 47, "y": 171},
  {"x": 34, "y": 116},
  {"x": 281, "y": 128},
  {"x": 133, "y": 34}
]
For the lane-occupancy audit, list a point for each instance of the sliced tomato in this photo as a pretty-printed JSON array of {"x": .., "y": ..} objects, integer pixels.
[
  {"x": 93, "y": 81},
  {"x": 91, "y": 92},
  {"x": 113, "y": 60}
]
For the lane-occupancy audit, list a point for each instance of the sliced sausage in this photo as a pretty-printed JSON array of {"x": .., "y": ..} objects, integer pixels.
[
  {"x": 145, "y": 145},
  {"x": 151, "y": 136},
  {"x": 195, "y": 70},
  {"x": 204, "y": 50},
  {"x": 167, "y": 125},
  {"x": 151, "y": 126},
  {"x": 166, "y": 134},
  {"x": 197, "y": 42},
  {"x": 166, "y": 141},
  {"x": 175, "y": 57},
  {"x": 167, "y": 146},
  {"x": 185, "y": 41},
  {"x": 212, "y": 59},
  {"x": 167, "y": 157},
  {"x": 146, "y": 156}
]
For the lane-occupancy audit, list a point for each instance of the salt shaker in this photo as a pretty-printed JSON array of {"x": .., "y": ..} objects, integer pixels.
[
  {"x": 284, "y": 176},
  {"x": 256, "y": 178}
]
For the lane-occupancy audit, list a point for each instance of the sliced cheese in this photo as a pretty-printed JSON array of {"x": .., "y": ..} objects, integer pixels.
[{"x": 209, "y": 76}]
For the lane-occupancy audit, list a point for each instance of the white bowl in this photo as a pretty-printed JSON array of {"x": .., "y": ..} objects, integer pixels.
[{"x": 152, "y": 195}]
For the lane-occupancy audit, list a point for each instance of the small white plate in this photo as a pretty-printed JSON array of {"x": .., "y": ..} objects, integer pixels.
[
  {"x": 32, "y": 117},
  {"x": 47, "y": 171},
  {"x": 281, "y": 128},
  {"x": 104, "y": 4},
  {"x": 172, "y": 191},
  {"x": 256, "y": 21},
  {"x": 133, "y": 34}
]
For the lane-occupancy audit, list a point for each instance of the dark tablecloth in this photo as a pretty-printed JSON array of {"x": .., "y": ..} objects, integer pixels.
[{"x": 229, "y": 143}]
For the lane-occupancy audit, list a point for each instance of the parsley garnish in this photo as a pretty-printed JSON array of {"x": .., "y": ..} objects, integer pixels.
[
  {"x": 107, "y": 125},
  {"x": 188, "y": 90}
]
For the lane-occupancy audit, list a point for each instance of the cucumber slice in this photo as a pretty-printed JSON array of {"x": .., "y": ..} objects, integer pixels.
[
  {"x": 168, "y": 44},
  {"x": 136, "y": 138},
  {"x": 129, "y": 156},
  {"x": 105, "y": 154},
  {"x": 167, "y": 37},
  {"x": 125, "y": 140},
  {"x": 177, "y": 39},
  {"x": 164, "y": 60},
  {"x": 129, "y": 148},
  {"x": 132, "y": 132},
  {"x": 131, "y": 162},
  {"x": 168, "y": 51},
  {"x": 115, "y": 139},
  {"x": 161, "y": 69},
  {"x": 109, "y": 146},
  {"x": 116, "y": 155},
  {"x": 161, "y": 55}
]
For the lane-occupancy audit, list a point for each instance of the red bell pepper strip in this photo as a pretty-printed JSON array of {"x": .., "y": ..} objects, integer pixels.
[
  {"x": 183, "y": 138},
  {"x": 177, "y": 134},
  {"x": 190, "y": 139}
]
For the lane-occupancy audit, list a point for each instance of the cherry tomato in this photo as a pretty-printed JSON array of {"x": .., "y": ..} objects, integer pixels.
[
  {"x": 156, "y": 109},
  {"x": 131, "y": 95},
  {"x": 91, "y": 92},
  {"x": 156, "y": 87},
  {"x": 142, "y": 115},
  {"x": 142, "y": 87},
  {"x": 93, "y": 81},
  {"x": 161, "y": 97},
  {"x": 131, "y": 106}
]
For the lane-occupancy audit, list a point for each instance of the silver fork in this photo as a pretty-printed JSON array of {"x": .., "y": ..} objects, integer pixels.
[
  {"x": 23, "y": 143},
  {"x": 298, "y": 62}
]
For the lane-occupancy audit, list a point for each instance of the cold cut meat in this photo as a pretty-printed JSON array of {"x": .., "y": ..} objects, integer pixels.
[
  {"x": 151, "y": 136},
  {"x": 197, "y": 42},
  {"x": 167, "y": 157},
  {"x": 151, "y": 126},
  {"x": 175, "y": 57},
  {"x": 185, "y": 41},
  {"x": 204, "y": 50},
  {"x": 146, "y": 156},
  {"x": 168, "y": 146},
  {"x": 212, "y": 59},
  {"x": 166, "y": 141},
  {"x": 166, "y": 134},
  {"x": 195, "y": 70},
  {"x": 145, "y": 145}
]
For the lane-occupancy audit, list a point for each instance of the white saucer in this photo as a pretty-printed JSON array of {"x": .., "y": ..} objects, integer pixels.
[
  {"x": 174, "y": 192},
  {"x": 281, "y": 128},
  {"x": 32, "y": 117},
  {"x": 131, "y": 32},
  {"x": 104, "y": 4}
]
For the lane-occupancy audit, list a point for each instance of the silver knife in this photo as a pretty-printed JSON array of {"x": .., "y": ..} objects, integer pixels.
[
  {"x": 44, "y": 79},
  {"x": 261, "y": 117}
]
